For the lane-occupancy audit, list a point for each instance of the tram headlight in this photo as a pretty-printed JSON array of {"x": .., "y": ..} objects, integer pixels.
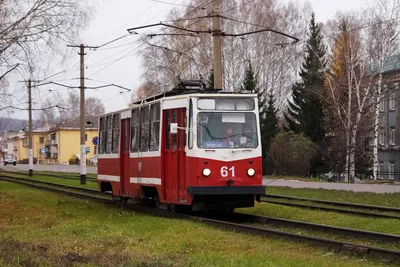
[
  {"x": 206, "y": 172},
  {"x": 251, "y": 172}
]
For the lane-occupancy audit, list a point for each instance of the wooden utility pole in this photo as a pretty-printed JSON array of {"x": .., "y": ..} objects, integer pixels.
[
  {"x": 82, "y": 112},
  {"x": 217, "y": 44},
  {"x": 30, "y": 151}
]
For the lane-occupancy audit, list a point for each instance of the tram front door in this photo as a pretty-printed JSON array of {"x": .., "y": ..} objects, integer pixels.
[{"x": 174, "y": 155}]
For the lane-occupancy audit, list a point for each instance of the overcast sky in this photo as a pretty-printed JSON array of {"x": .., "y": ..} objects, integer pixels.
[{"x": 119, "y": 63}]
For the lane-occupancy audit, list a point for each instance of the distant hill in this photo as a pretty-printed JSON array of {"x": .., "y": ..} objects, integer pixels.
[{"x": 9, "y": 124}]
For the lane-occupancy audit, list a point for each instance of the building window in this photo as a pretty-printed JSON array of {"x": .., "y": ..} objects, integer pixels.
[
  {"x": 391, "y": 170},
  {"x": 155, "y": 127},
  {"x": 41, "y": 140},
  {"x": 381, "y": 137},
  {"x": 382, "y": 104},
  {"x": 85, "y": 137},
  {"x": 392, "y": 136},
  {"x": 391, "y": 102},
  {"x": 381, "y": 170},
  {"x": 135, "y": 130}
]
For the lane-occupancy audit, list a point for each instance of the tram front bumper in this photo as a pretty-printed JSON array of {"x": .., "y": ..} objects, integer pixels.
[{"x": 226, "y": 190}]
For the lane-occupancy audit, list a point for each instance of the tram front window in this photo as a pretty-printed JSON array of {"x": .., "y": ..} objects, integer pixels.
[{"x": 227, "y": 130}]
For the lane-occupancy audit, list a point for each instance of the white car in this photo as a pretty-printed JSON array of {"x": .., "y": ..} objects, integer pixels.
[{"x": 9, "y": 159}]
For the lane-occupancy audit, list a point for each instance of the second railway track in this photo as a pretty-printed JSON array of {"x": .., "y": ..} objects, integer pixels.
[
  {"x": 387, "y": 255},
  {"x": 335, "y": 206}
]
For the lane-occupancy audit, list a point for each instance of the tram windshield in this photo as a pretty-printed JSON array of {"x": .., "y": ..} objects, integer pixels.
[{"x": 227, "y": 130}]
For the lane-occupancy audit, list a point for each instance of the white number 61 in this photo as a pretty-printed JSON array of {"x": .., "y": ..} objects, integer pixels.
[{"x": 225, "y": 171}]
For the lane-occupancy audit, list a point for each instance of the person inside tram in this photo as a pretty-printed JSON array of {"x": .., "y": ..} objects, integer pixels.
[{"x": 229, "y": 136}]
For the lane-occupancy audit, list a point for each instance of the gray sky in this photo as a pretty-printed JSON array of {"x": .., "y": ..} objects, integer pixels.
[{"x": 119, "y": 63}]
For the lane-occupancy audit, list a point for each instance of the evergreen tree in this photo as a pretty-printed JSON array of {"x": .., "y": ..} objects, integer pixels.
[
  {"x": 211, "y": 80},
  {"x": 269, "y": 124},
  {"x": 250, "y": 84},
  {"x": 305, "y": 113}
]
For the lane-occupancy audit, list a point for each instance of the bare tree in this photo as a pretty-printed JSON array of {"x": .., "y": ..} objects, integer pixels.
[
  {"x": 69, "y": 108},
  {"x": 191, "y": 57},
  {"x": 32, "y": 31}
]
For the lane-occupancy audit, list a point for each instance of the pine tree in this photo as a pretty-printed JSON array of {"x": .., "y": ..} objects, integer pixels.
[
  {"x": 211, "y": 80},
  {"x": 269, "y": 124},
  {"x": 305, "y": 113},
  {"x": 250, "y": 84}
]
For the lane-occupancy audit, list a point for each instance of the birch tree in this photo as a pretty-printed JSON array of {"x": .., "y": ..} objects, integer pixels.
[
  {"x": 383, "y": 44},
  {"x": 348, "y": 89}
]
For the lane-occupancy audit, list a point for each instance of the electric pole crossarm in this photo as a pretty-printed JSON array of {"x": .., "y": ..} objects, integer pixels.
[
  {"x": 263, "y": 30},
  {"x": 132, "y": 30}
]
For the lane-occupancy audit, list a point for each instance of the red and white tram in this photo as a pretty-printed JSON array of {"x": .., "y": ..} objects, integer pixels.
[{"x": 195, "y": 148}]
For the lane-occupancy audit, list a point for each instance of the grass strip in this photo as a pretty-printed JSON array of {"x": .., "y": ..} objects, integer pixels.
[
  {"x": 386, "y": 199},
  {"x": 389, "y": 226},
  {"x": 56, "y": 230}
]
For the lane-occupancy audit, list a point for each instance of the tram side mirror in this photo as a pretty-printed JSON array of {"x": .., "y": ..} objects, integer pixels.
[{"x": 173, "y": 128}]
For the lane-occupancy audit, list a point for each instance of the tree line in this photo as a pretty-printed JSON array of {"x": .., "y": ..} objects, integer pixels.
[{"x": 319, "y": 99}]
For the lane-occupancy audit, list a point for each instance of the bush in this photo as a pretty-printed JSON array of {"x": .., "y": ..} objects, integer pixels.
[
  {"x": 72, "y": 160},
  {"x": 292, "y": 154}
]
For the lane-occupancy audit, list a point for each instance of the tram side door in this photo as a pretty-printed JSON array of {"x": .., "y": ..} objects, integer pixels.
[
  {"x": 125, "y": 140},
  {"x": 174, "y": 155}
]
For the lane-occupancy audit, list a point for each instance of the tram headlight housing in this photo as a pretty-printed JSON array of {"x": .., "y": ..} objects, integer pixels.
[
  {"x": 206, "y": 172},
  {"x": 251, "y": 172}
]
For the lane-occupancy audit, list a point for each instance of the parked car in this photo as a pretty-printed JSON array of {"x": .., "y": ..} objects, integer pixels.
[
  {"x": 93, "y": 160},
  {"x": 9, "y": 159}
]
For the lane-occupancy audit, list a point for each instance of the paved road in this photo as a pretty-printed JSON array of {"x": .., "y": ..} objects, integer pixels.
[
  {"x": 374, "y": 188},
  {"x": 52, "y": 168}
]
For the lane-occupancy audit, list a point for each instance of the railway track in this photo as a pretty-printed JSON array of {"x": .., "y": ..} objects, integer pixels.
[
  {"x": 346, "y": 207},
  {"x": 230, "y": 222},
  {"x": 70, "y": 177}
]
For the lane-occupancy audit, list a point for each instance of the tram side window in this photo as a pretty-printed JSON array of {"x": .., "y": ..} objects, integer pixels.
[
  {"x": 115, "y": 133},
  {"x": 144, "y": 129},
  {"x": 109, "y": 134},
  {"x": 155, "y": 127},
  {"x": 102, "y": 135},
  {"x": 190, "y": 132},
  {"x": 135, "y": 131}
]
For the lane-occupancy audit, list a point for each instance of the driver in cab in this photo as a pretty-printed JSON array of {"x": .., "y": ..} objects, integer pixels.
[{"x": 229, "y": 138}]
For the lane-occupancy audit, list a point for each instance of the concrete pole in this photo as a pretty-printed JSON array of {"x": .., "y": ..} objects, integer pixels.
[
  {"x": 217, "y": 41},
  {"x": 82, "y": 117},
  {"x": 30, "y": 151}
]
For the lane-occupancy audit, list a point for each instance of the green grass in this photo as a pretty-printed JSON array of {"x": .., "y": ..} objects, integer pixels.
[
  {"x": 38, "y": 228},
  {"x": 390, "y": 226},
  {"x": 298, "y": 178},
  {"x": 69, "y": 182},
  {"x": 387, "y": 199}
]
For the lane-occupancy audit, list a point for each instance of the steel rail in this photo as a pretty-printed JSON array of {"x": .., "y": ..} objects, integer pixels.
[
  {"x": 336, "y": 203},
  {"x": 313, "y": 226},
  {"x": 387, "y": 255},
  {"x": 360, "y": 213}
]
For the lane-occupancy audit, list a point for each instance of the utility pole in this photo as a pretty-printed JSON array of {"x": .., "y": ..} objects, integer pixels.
[
  {"x": 82, "y": 112},
  {"x": 217, "y": 44},
  {"x": 30, "y": 151}
]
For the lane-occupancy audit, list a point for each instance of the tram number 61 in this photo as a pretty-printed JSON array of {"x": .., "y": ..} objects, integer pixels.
[{"x": 225, "y": 171}]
